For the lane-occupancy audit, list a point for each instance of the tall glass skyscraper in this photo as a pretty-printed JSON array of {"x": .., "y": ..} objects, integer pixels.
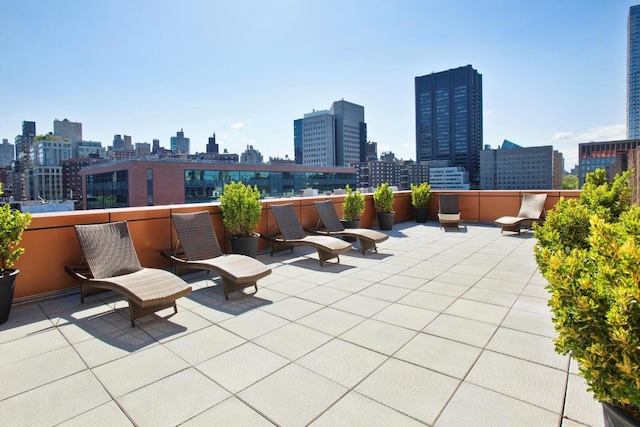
[
  {"x": 633, "y": 73},
  {"x": 449, "y": 119}
]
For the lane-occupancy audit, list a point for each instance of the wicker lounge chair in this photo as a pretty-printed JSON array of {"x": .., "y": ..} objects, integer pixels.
[
  {"x": 202, "y": 252},
  {"x": 333, "y": 227},
  {"x": 449, "y": 210},
  {"x": 294, "y": 235},
  {"x": 530, "y": 210},
  {"x": 114, "y": 265}
]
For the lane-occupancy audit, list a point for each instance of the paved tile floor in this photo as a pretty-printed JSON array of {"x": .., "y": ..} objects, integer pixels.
[{"x": 439, "y": 328}]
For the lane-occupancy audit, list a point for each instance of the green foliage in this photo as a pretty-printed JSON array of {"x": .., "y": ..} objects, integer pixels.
[
  {"x": 420, "y": 195},
  {"x": 12, "y": 225},
  {"x": 606, "y": 199},
  {"x": 383, "y": 198},
  {"x": 353, "y": 204},
  {"x": 241, "y": 208},
  {"x": 569, "y": 182},
  {"x": 589, "y": 252}
]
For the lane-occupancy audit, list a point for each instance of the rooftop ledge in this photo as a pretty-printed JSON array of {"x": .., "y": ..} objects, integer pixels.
[{"x": 51, "y": 243}]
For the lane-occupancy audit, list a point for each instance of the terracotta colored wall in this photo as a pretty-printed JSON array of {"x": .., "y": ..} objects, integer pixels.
[{"x": 51, "y": 243}]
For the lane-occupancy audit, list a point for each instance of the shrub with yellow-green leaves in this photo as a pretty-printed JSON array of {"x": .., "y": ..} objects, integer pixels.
[{"x": 589, "y": 252}]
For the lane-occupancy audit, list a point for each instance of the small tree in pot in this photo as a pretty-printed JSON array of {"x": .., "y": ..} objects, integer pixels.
[
  {"x": 352, "y": 207},
  {"x": 12, "y": 225},
  {"x": 420, "y": 197},
  {"x": 241, "y": 208},
  {"x": 383, "y": 203}
]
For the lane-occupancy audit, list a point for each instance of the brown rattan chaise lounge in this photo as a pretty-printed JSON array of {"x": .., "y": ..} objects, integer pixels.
[
  {"x": 530, "y": 210},
  {"x": 114, "y": 265},
  {"x": 333, "y": 227},
  {"x": 449, "y": 210},
  {"x": 294, "y": 235},
  {"x": 202, "y": 252}
]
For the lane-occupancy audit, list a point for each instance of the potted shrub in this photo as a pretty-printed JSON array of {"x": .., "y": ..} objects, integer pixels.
[
  {"x": 241, "y": 208},
  {"x": 352, "y": 208},
  {"x": 383, "y": 203},
  {"x": 588, "y": 250},
  {"x": 420, "y": 197},
  {"x": 12, "y": 225}
]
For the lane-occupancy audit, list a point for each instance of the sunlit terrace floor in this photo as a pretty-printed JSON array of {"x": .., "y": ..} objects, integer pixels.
[{"x": 438, "y": 328}]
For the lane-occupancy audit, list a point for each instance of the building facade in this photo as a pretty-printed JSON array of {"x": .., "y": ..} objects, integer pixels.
[
  {"x": 23, "y": 160},
  {"x": 251, "y": 155},
  {"x": 513, "y": 167},
  {"x": 180, "y": 144},
  {"x": 449, "y": 178},
  {"x": 633, "y": 73},
  {"x": 603, "y": 155},
  {"x": 7, "y": 153},
  {"x": 44, "y": 179},
  {"x": 449, "y": 119},
  {"x": 174, "y": 181},
  {"x": 335, "y": 137},
  {"x": 401, "y": 175}
]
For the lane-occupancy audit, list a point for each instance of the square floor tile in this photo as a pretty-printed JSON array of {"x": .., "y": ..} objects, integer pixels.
[
  {"x": 378, "y": 336},
  {"x": 331, "y": 321},
  {"x": 523, "y": 345},
  {"x": 253, "y": 324},
  {"x": 204, "y": 344},
  {"x": 412, "y": 390},
  {"x": 55, "y": 402},
  {"x": 439, "y": 354},
  {"x": 466, "y": 331},
  {"x": 533, "y": 305},
  {"x": 444, "y": 288},
  {"x": 30, "y": 346},
  {"x": 342, "y": 362},
  {"x": 138, "y": 369},
  {"x": 292, "y": 308},
  {"x": 98, "y": 351},
  {"x": 349, "y": 284},
  {"x": 406, "y": 316},
  {"x": 580, "y": 405},
  {"x": 231, "y": 412},
  {"x": 488, "y": 313},
  {"x": 323, "y": 295},
  {"x": 38, "y": 370},
  {"x": 191, "y": 393},
  {"x": 108, "y": 414},
  {"x": 405, "y": 282},
  {"x": 293, "y": 396},
  {"x": 361, "y": 305},
  {"x": 496, "y": 410},
  {"x": 239, "y": 368},
  {"x": 489, "y": 296},
  {"x": 427, "y": 300},
  {"x": 384, "y": 292},
  {"x": 292, "y": 341},
  {"x": 527, "y": 381},
  {"x": 357, "y": 410},
  {"x": 533, "y": 323}
]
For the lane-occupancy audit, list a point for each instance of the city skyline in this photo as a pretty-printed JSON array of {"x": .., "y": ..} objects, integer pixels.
[{"x": 553, "y": 74}]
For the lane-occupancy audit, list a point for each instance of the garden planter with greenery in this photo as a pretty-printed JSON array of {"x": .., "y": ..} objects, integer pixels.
[
  {"x": 383, "y": 203},
  {"x": 589, "y": 252},
  {"x": 241, "y": 209},
  {"x": 12, "y": 225},
  {"x": 420, "y": 197},
  {"x": 352, "y": 208}
]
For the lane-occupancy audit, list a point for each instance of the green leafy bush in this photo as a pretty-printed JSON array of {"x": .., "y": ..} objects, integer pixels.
[
  {"x": 383, "y": 198},
  {"x": 420, "y": 195},
  {"x": 12, "y": 225},
  {"x": 241, "y": 208},
  {"x": 353, "y": 204},
  {"x": 589, "y": 252}
]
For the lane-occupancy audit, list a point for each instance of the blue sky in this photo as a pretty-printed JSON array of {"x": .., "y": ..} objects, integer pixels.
[{"x": 554, "y": 72}]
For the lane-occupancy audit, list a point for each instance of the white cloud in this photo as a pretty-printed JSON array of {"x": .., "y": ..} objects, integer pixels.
[
  {"x": 603, "y": 133},
  {"x": 558, "y": 136},
  {"x": 237, "y": 125}
]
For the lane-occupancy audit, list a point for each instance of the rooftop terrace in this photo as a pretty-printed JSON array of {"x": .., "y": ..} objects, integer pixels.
[{"x": 438, "y": 328}]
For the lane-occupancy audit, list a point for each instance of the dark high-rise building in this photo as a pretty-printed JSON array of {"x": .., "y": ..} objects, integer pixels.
[
  {"x": 633, "y": 73},
  {"x": 449, "y": 119},
  {"x": 212, "y": 147}
]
